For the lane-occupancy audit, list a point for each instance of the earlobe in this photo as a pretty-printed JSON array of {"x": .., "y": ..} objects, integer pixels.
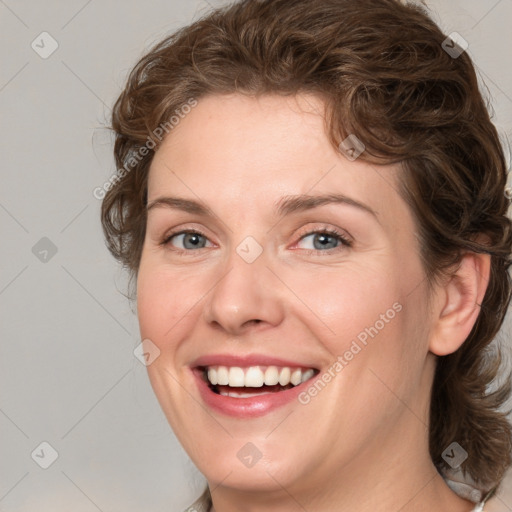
[{"x": 461, "y": 298}]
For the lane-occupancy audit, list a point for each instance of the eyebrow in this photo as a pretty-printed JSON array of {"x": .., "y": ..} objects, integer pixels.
[
  {"x": 285, "y": 206},
  {"x": 303, "y": 202}
]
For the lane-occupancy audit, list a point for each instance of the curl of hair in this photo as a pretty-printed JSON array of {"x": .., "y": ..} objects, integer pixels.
[{"x": 380, "y": 67}]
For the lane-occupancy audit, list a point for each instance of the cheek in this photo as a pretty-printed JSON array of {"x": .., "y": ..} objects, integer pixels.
[
  {"x": 344, "y": 302},
  {"x": 373, "y": 316},
  {"x": 152, "y": 304},
  {"x": 163, "y": 300}
]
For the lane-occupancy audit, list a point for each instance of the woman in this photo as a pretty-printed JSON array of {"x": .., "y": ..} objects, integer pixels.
[{"x": 311, "y": 198}]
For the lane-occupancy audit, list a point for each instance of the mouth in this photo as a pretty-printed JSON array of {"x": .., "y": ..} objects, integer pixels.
[
  {"x": 240, "y": 382},
  {"x": 250, "y": 385},
  {"x": 252, "y": 381}
]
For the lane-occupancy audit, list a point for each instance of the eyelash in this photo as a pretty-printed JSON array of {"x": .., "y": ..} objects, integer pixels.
[
  {"x": 168, "y": 238},
  {"x": 344, "y": 241}
]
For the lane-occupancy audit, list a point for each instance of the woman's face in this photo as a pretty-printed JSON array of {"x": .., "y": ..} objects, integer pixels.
[{"x": 269, "y": 255}]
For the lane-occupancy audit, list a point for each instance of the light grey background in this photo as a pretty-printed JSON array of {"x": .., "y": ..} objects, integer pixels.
[{"x": 68, "y": 375}]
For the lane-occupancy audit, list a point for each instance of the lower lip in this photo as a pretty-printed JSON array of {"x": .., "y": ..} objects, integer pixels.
[{"x": 245, "y": 407}]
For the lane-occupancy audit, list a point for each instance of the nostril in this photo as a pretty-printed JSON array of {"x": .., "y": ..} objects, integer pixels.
[{"x": 248, "y": 323}]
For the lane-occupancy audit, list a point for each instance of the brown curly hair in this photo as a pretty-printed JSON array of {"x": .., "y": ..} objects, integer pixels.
[{"x": 384, "y": 75}]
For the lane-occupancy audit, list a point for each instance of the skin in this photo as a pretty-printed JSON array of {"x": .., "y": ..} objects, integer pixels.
[{"x": 362, "y": 442}]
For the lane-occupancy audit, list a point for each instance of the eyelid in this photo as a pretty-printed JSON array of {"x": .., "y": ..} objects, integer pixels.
[
  {"x": 323, "y": 228},
  {"x": 186, "y": 227},
  {"x": 346, "y": 241},
  {"x": 183, "y": 231}
]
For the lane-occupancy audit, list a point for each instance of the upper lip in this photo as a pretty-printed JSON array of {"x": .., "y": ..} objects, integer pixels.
[{"x": 246, "y": 361}]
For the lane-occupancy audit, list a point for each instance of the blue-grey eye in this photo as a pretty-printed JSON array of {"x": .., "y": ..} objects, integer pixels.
[
  {"x": 323, "y": 240},
  {"x": 190, "y": 240}
]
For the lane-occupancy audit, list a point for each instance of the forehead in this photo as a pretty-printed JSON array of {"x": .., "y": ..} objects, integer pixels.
[{"x": 249, "y": 152}]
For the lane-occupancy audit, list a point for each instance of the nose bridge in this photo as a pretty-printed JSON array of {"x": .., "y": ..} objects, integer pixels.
[{"x": 244, "y": 292}]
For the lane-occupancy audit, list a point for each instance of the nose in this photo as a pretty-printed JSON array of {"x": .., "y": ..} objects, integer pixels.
[{"x": 247, "y": 295}]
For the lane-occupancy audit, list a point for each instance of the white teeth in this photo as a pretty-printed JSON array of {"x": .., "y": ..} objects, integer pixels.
[
  {"x": 254, "y": 377},
  {"x": 236, "y": 377},
  {"x": 296, "y": 376},
  {"x": 257, "y": 376},
  {"x": 284, "y": 376},
  {"x": 222, "y": 375},
  {"x": 307, "y": 375},
  {"x": 213, "y": 376},
  {"x": 241, "y": 394},
  {"x": 271, "y": 376}
]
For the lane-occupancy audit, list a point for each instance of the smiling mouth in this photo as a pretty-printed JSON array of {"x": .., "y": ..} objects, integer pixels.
[{"x": 246, "y": 382}]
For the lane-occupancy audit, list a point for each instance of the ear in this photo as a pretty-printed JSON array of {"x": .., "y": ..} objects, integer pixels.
[{"x": 459, "y": 303}]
